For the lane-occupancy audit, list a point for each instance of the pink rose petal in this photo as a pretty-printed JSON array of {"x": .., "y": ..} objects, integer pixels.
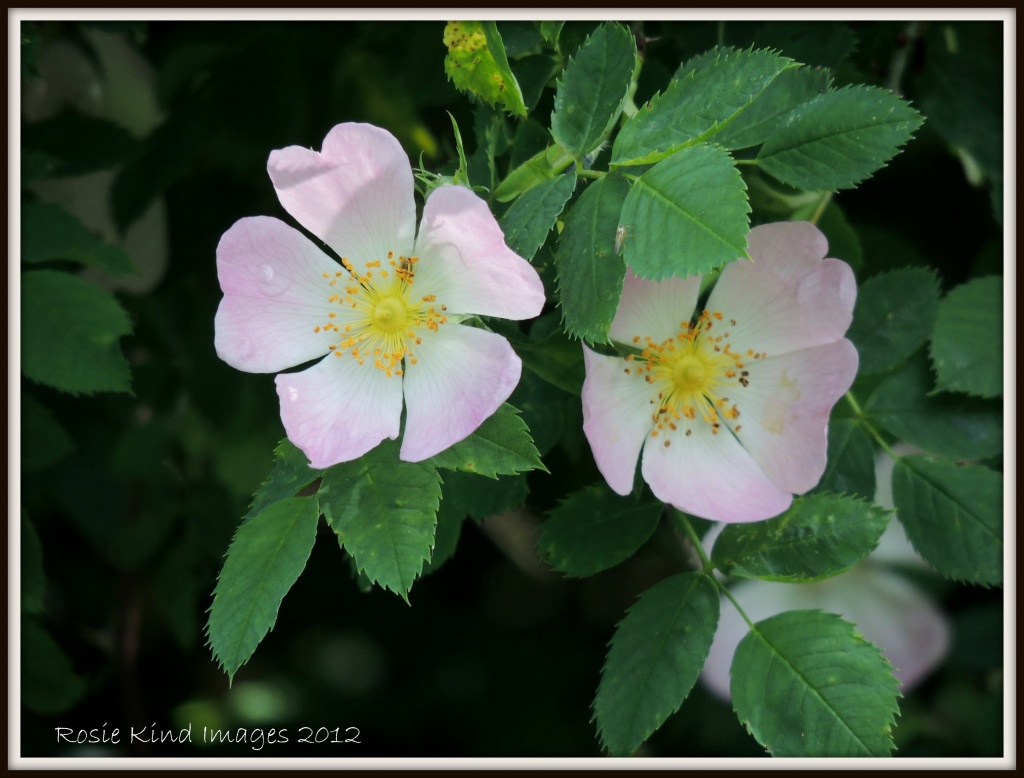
[
  {"x": 462, "y": 375},
  {"x": 785, "y": 408},
  {"x": 711, "y": 476},
  {"x": 653, "y": 308},
  {"x": 356, "y": 194},
  {"x": 274, "y": 296},
  {"x": 788, "y": 298},
  {"x": 463, "y": 259},
  {"x": 617, "y": 410},
  {"x": 338, "y": 410}
]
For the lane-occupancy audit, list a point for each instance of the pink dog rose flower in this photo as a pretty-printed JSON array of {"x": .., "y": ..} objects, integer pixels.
[
  {"x": 729, "y": 407},
  {"x": 383, "y": 323}
]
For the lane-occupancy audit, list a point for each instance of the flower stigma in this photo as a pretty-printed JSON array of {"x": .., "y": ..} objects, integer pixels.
[
  {"x": 379, "y": 313},
  {"x": 693, "y": 372}
]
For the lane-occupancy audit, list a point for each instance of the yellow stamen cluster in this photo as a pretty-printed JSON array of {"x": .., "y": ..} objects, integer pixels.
[
  {"x": 692, "y": 372},
  {"x": 379, "y": 314}
]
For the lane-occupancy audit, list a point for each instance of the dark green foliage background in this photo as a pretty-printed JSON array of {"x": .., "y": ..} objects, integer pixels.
[{"x": 491, "y": 659}]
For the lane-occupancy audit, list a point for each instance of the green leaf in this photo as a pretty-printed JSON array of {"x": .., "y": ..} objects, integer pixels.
[
  {"x": 384, "y": 513},
  {"x": 542, "y": 166},
  {"x": 851, "y": 460},
  {"x": 44, "y": 441},
  {"x": 80, "y": 142},
  {"x": 792, "y": 87},
  {"x": 527, "y": 223},
  {"x": 556, "y": 359},
  {"x": 476, "y": 63},
  {"x": 656, "y": 654},
  {"x": 69, "y": 334},
  {"x": 48, "y": 232},
  {"x": 805, "y": 683},
  {"x": 893, "y": 317},
  {"x": 686, "y": 215},
  {"x": 707, "y": 93},
  {"x": 590, "y": 272},
  {"x": 550, "y": 30},
  {"x": 593, "y": 89},
  {"x": 33, "y": 578},
  {"x": 49, "y": 683},
  {"x": 821, "y": 535},
  {"x": 967, "y": 348},
  {"x": 953, "y": 515},
  {"x": 838, "y": 139},
  {"x": 290, "y": 474},
  {"x": 500, "y": 446},
  {"x": 954, "y": 427},
  {"x": 263, "y": 562},
  {"x": 594, "y": 529},
  {"x": 446, "y": 537}
]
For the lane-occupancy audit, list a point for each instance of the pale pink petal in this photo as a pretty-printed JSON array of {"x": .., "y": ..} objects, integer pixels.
[
  {"x": 462, "y": 375},
  {"x": 785, "y": 407},
  {"x": 617, "y": 411},
  {"x": 653, "y": 308},
  {"x": 275, "y": 295},
  {"x": 788, "y": 298},
  {"x": 356, "y": 194},
  {"x": 338, "y": 410},
  {"x": 464, "y": 261},
  {"x": 710, "y": 476},
  {"x": 887, "y": 610}
]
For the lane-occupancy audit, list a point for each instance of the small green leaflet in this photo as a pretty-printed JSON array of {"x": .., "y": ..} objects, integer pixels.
[
  {"x": 656, "y": 654},
  {"x": 290, "y": 474},
  {"x": 593, "y": 89},
  {"x": 707, "y": 93},
  {"x": 265, "y": 559},
  {"x": 500, "y": 446},
  {"x": 541, "y": 167},
  {"x": 893, "y": 317},
  {"x": 953, "y": 515},
  {"x": 69, "y": 334},
  {"x": 527, "y": 223},
  {"x": 821, "y": 535},
  {"x": 48, "y": 232},
  {"x": 955, "y": 427},
  {"x": 838, "y": 139},
  {"x": 686, "y": 216},
  {"x": 755, "y": 125},
  {"x": 594, "y": 529},
  {"x": 967, "y": 348},
  {"x": 851, "y": 460},
  {"x": 590, "y": 271},
  {"x": 384, "y": 512},
  {"x": 805, "y": 683},
  {"x": 476, "y": 63}
]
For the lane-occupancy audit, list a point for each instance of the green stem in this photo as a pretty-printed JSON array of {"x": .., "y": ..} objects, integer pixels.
[
  {"x": 745, "y": 161},
  {"x": 684, "y": 521},
  {"x": 825, "y": 200},
  {"x": 692, "y": 533},
  {"x": 583, "y": 173},
  {"x": 722, "y": 588},
  {"x": 859, "y": 413}
]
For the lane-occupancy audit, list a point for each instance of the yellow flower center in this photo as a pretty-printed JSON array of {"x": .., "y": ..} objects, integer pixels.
[
  {"x": 378, "y": 314},
  {"x": 693, "y": 371}
]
